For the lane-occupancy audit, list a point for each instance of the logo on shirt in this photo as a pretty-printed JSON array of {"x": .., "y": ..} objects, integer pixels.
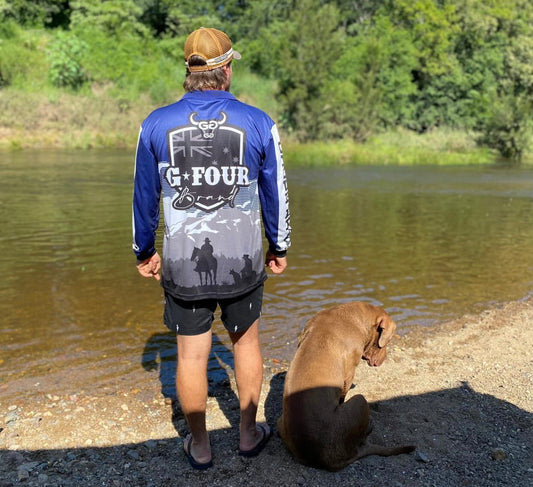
[{"x": 206, "y": 163}]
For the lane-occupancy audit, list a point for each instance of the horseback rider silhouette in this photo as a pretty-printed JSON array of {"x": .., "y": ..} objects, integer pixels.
[
  {"x": 207, "y": 249},
  {"x": 206, "y": 263},
  {"x": 247, "y": 270}
]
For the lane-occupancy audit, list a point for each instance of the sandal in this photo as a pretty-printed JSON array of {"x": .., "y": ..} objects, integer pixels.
[
  {"x": 193, "y": 462},
  {"x": 257, "y": 449}
]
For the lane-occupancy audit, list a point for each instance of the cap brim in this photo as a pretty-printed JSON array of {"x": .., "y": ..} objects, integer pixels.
[{"x": 236, "y": 54}]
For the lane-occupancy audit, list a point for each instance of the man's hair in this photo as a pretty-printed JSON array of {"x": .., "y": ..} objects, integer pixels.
[{"x": 214, "y": 79}]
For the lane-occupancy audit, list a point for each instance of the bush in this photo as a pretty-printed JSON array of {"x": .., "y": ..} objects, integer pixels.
[
  {"x": 65, "y": 55},
  {"x": 21, "y": 59},
  {"x": 509, "y": 128}
]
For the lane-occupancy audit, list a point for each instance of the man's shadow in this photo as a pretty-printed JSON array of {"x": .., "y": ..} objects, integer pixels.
[{"x": 160, "y": 352}]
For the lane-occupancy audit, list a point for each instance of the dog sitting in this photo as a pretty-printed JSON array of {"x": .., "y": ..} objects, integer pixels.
[{"x": 317, "y": 425}]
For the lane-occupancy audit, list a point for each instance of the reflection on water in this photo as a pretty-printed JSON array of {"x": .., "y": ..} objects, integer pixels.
[{"x": 428, "y": 244}]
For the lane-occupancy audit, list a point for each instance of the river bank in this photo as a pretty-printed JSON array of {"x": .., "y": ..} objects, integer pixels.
[
  {"x": 33, "y": 121},
  {"x": 462, "y": 393}
]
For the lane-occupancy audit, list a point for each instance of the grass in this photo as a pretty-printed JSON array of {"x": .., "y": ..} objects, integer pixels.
[
  {"x": 96, "y": 118},
  {"x": 63, "y": 120},
  {"x": 400, "y": 147}
]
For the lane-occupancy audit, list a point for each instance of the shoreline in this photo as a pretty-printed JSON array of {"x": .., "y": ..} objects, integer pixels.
[
  {"x": 463, "y": 392},
  {"x": 394, "y": 147}
]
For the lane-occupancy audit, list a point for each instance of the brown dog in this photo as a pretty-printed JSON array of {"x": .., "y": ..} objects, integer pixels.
[{"x": 317, "y": 426}]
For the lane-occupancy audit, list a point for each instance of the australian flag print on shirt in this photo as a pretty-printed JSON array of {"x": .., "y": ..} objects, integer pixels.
[{"x": 206, "y": 163}]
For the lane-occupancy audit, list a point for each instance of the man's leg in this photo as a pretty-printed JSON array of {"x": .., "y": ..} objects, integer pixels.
[
  {"x": 191, "y": 382},
  {"x": 249, "y": 378}
]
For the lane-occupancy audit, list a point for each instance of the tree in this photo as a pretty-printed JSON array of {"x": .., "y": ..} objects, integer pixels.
[
  {"x": 496, "y": 48},
  {"x": 509, "y": 127},
  {"x": 168, "y": 18},
  {"x": 371, "y": 83},
  {"x": 113, "y": 17},
  {"x": 36, "y": 13},
  {"x": 311, "y": 44}
]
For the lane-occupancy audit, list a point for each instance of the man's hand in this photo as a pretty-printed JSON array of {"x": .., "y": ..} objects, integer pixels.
[
  {"x": 276, "y": 264},
  {"x": 150, "y": 267}
]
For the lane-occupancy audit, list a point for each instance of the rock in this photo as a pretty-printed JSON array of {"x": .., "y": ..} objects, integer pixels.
[
  {"x": 14, "y": 458},
  {"x": 421, "y": 457},
  {"x": 23, "y": 471},
  {"x": 22, "y": 474},
  {"x": 133, "y": 454},
  {"x": 151, "y": 444},
  {"x": 11, "y": 417},
  {"x": 498, "y": 454},
  {"x": 29, "y": 466}
]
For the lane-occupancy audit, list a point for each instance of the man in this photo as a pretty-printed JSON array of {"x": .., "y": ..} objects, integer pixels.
[{"x": 218, "y": 164}]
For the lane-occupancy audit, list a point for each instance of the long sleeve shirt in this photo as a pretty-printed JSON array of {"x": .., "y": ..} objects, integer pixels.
[{"x": 217, "y": 164}]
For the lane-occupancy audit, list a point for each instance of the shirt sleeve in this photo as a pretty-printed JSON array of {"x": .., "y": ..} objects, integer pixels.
[
  {"x": 146, "y": 195},
  {"x": 274, "y": 197}
]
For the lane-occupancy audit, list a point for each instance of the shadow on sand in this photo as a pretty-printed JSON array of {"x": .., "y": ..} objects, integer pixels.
[
  {"x": 463, "y": 438},
  {"x": 160, "y": 352}
]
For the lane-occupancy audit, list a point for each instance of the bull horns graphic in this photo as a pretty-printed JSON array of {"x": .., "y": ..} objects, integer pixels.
[{"x": 207, "y": 127}]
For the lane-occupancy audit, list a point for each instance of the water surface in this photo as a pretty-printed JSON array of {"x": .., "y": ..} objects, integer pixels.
[{"x": 428, "y": 243}]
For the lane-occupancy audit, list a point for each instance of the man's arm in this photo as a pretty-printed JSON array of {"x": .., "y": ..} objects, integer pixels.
[
  {"x": 146, "y": 194},
  {"x": 275, "y": 203}
]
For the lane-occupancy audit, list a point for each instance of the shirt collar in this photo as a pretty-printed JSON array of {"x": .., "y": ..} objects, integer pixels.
[{"x": 208, "y": 95}]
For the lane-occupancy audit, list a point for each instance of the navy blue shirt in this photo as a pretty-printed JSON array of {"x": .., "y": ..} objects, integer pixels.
[{"x": 217, "y": 163}]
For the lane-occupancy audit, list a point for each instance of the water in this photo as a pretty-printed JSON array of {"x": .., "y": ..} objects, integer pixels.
[{"x": 429, "y": 244}]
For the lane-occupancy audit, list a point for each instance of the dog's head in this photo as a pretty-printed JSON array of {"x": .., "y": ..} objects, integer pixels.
[{"x": 381, "y": 334}]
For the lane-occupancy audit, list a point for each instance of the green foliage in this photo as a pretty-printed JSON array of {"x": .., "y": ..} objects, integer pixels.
[
  {"x": 300, "y": 74},
  {"x": 132, "y": 67},
  {"x": 21, "y": 59},
  {"x": 170, "y": 18},
  {"x": 399, "y": 147},
  {"x": 255, "y": 90},
  {"x": 113, "y": 17},
  {"x": 65, "y": 55},
  {"x": 326, "y": 69},
  {"x": 38, "y": 13},
  {"x": 509, "y": 127},
  {"x": 370, "y": 83}
]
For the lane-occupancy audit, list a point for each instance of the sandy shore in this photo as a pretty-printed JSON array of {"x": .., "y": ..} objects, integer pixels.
[{"x": 463, "y": 393}]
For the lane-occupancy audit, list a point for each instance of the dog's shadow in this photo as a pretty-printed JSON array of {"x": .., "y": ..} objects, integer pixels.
[{"x": 160, "y": 353}]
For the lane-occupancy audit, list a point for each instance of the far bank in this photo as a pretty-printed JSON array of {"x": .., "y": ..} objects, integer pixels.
[{"x": 68, "y": 121}]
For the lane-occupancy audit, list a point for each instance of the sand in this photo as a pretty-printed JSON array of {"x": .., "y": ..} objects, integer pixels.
[{"x": 462, "y": 392}]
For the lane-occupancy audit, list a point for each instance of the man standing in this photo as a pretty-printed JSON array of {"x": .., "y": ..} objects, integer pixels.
[{"x": 218, "y": 164}]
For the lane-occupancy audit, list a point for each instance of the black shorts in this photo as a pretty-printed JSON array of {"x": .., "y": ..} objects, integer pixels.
[{"x": 196, "y": 317}]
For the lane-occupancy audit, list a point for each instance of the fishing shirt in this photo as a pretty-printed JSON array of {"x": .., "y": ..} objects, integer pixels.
[{"x": 218, "y": 165}]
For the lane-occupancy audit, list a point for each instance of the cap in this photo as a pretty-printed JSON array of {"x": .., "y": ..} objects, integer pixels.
[{"x": 212, "y": 45}]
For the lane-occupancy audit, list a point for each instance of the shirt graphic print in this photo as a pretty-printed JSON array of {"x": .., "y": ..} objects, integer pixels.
[{"x": 206, "y": 163}]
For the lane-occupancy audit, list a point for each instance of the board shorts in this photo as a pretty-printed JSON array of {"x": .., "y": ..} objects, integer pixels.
[{"x": 196, "y": 317}]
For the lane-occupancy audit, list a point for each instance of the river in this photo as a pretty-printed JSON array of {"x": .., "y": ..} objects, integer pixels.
[{"x": 429, "y": 244}]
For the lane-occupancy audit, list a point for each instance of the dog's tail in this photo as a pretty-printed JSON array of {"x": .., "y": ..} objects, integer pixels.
[{"x": 383, "y": 451}]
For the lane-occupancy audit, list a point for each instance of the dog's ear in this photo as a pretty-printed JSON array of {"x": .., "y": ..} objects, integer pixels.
[{"x": 386, "y": 327}]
